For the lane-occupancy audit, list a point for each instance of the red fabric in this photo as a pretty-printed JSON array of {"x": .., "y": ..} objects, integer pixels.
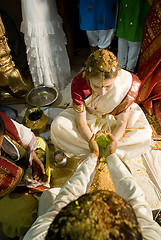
[
  {"x": 80, "y": 89},
  {"x": 149, "y": 70},
  {"x": 38, "y": 189},
  {"x": 10, "y": 176},
  {"x": 154, "y": 90},
  {"x": 11, "y": 130}
]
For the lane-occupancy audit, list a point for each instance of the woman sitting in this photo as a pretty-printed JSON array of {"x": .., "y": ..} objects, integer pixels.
[{"x": 104, "y": 99}]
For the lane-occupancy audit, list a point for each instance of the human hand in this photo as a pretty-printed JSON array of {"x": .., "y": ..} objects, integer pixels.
[
  {"x": 112, "y": 146},
  {"x": 106, "y": 142},
  {"x": 93, "y": 146},
  {"x": 39, "y": 170}
]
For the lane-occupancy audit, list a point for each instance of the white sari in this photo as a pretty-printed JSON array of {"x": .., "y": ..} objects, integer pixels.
[{"x": 134, "y": 147}]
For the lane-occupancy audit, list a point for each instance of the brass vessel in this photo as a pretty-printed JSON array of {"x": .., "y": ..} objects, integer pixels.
[{"x": 36, "y": 120}]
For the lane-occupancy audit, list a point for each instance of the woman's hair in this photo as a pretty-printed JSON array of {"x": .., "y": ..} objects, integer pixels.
[
  {"x": 99, "y": 215},
  {"x": 102, "y": 61},
  {"x": 2, "y": 127}
]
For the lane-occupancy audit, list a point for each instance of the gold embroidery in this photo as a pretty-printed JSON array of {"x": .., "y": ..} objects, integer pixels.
[
  {"x": 101, "y": 20},
  {"x": 128, "y": 99},
  {"x": 79, "y": 108},
  {"x": 14, "y": 177},
  {"x": 90, "y": 7},
  {"x": 143, "y": 91},
  {"x": 3, "y": 174}
]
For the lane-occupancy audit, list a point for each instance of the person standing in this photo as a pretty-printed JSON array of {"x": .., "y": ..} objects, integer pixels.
[
  {"x": 130, "y": 25},
  {"x": 98, "y": 19},
  {"x": 46, "y": 43}
]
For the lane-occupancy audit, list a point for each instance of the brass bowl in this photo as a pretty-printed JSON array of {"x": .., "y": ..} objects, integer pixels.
[
  {"x": 42, "y": 96},
  {"x": 36, "y": 120}
]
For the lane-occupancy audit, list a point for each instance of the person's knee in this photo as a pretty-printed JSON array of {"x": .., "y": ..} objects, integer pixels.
[{"x": 56, "y": 124}]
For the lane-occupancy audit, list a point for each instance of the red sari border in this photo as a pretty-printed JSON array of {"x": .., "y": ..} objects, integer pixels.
[{"x": 130, "y": 96}]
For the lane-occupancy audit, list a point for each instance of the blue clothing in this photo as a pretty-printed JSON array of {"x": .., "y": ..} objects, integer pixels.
[
  {"x": 9, "y": 111},
  {"x": 97, "y": 14}
]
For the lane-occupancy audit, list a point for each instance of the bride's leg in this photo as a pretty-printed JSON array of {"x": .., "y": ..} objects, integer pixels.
[{"x": 66, "y": 136}]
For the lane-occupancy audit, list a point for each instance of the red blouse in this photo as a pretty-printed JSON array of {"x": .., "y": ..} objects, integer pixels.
[{"x": 80, "y": 89}]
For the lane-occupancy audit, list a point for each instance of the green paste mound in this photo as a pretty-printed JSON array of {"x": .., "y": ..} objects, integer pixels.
[{"x": 102, "y": 139}]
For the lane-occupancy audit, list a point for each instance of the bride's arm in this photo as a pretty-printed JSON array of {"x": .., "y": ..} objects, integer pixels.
[
  {"x": 122, "y": 120},
  {"x": 83, "y": 126}
]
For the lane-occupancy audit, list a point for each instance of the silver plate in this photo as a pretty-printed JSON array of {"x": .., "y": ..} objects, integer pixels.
[{"x": 42, "y": 96}]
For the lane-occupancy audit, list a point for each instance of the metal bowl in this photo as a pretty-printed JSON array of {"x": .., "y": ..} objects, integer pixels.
[
  {"x": 60, "y": 158},
  {"x": 42, "y": 96}
]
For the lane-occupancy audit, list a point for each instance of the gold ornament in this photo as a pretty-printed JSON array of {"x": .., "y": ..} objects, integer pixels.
[
  {"x": 101, "y": 61},
  {"x": 16, "y": 85}
]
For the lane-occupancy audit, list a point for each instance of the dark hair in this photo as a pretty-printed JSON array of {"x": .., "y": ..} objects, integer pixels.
[
  {"x": 2, "y": 127},
  {"x": 99, "y": 215}
]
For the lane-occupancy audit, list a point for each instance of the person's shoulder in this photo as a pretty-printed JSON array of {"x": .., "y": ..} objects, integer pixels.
[
  {"x": 78, "y": 78},
  {"x": 125, "y": 73},
  {"x": 130, "y": 76},
  {"x": 79, "y": 83}
]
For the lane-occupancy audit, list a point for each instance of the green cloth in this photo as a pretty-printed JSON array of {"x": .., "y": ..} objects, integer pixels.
[
  {"x": 17, "y": 213},
  {"x": 131, "y": 17}
]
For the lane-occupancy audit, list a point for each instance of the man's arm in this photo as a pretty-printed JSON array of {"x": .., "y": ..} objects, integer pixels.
[
  {"x": 127, "y": 188},
  {"x": 75, "y": 187}
]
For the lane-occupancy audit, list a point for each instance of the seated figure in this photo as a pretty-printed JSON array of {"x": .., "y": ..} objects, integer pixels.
[
  {"x": 24, "y": 168},
  {"x": 104, "y": 99}
]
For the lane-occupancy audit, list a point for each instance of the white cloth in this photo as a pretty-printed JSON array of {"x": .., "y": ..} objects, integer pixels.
[
  {"x": 79, "y": 183},
  {"x": 28, "y": 140},
  {"x": 136, "y": 140},
  {"x": 100, "y": 38},
  {"x": 45, "y": 41}
]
